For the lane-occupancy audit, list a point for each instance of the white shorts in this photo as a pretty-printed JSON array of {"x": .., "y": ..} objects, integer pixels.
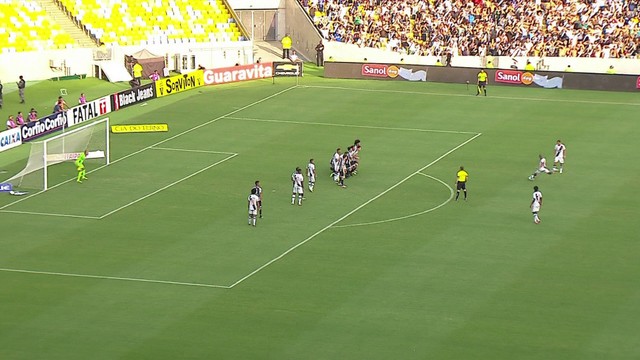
[
  {"x": 535, "y": 208},
  {"x": 544, "y": 170},
  {"x": 312, "y": 179},
  {"x": 559, "y": 159},
  {"x": 253, "y": 212},
  {"x": 298, "y": 189}
]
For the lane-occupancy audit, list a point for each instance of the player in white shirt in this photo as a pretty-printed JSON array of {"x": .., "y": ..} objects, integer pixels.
[
  {"x": 253, "y": 201},
  {"x": 258, "y": 189},
  {"x": 542, "y": 168},
  {"x": 298, "y": 186},
  {"x": 560, "y": 153},
  {"x": 311, "y": 174},
  {"x": 536, "y": 204}
]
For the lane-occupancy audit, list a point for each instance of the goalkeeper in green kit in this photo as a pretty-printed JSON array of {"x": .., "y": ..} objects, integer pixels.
[{"x": 80, "y": 166}]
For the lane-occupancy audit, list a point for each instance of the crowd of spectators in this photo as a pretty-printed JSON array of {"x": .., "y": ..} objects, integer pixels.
[{"x": 575, "y": 28}]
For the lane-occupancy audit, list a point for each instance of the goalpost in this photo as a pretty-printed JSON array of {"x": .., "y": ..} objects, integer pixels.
[{"x": 65, "y": 147}]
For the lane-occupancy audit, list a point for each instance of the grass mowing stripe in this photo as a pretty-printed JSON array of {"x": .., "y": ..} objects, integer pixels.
[
  {"x": 114, "y": 278},
  {"x": 467, "y": 95},
  {"x": 352, "y": 211},
  {"x": 195, "y": 151},
  {"x": 162, "y": 141},
  {"x": 350, "y": 125},
  {"x": 410, "y": 215}
]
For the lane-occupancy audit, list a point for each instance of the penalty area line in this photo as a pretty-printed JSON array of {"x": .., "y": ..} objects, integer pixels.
[
  {"x": 50, "y": 214},
  {"x": 351, "y": 212},
  {"x": 104, "y": 277}
]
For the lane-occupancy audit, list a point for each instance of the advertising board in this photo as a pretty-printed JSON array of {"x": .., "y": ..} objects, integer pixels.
[
  {"x": 179, "y": 83},
  {"x": 133, "y": 96},
  {"x": 10, "y": 139},
  {"x": 287, "y": 68},
  {"x": 238, "y": 73},
  {"x": 46, "y": 125},
  {"x": 88, "y": 111}
]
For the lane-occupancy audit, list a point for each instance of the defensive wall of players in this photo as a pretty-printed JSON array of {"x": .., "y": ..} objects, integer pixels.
[
  {"x": 460, "y": 75},
  {"x": 123, "y": 99}
]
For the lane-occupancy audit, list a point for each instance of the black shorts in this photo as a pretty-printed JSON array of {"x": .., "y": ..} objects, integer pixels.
[
  {"x": 461, "y": 185},
  {"x": 482, "y": 83}
]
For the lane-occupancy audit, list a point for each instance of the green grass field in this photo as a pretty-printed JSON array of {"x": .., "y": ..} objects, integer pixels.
[{"x": 152, "y": 258}]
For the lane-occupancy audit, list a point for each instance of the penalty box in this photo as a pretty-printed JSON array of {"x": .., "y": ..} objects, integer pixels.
[{"x": 124, "y": 183}]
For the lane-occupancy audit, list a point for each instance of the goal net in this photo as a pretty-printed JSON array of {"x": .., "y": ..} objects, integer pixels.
[{"x": 40, "y": 172}]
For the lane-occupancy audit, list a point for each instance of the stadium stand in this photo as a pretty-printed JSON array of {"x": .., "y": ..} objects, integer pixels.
[
  {"x": 575, "y": 28},
  {"x": 26, "y": 26},
  {"x": 133, "y": 22}
]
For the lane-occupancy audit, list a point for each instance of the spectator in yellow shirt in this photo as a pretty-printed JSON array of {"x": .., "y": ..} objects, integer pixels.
[
  {"x": 137, "y": 73},
  {"x": 286, "y": 46}
]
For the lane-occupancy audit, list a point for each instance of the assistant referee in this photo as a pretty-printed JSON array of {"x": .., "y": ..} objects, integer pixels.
[
  {"x": 482, "y": 82},
  {"x": 461, "y": 182}
]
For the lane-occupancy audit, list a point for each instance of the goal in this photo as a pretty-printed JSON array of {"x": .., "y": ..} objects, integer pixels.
[{"x": 40, "y": 174}]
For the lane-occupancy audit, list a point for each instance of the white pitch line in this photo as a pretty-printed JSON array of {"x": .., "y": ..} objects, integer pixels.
[
  {"x": 350, "y": 213},
  {"x": 167, "y": 186},
  {"x": 349, "y": 125},
  {"x": 467, "y": 95},
  {"x": 50, "y": 214},
  {"x": 410, "y": 215},
  {"x": 115, "y": 278},
  {"x": 161, "y": 142},
  {"x": 194, "y": 150}
]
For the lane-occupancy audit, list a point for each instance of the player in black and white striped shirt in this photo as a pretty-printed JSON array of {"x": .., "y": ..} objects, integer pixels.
[{"x": 258, "y": 191}]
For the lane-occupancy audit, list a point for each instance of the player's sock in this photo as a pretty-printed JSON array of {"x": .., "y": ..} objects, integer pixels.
[
  {"x": 84, "y": 174},
  {"x": 260, "y": 212},
  {"x": 293, "y": 199},
  {"x": 457, "y": 195},
  {"x": 79, "y": 176},
  {"x": 478, "y": 91},
  {"x": 465, "y": 194},
  {"x": 253, "y": 221},
  {"x": 485, "y": 92},
  {"x": 300, "y": 199},
  {"x": 249, "y": 219}
]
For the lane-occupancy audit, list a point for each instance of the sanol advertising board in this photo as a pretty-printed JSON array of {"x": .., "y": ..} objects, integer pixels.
[
  {"x": 513, "y": 77},
  {"x": 399, "y": 72},
  {"x": 238, "y": 73}
]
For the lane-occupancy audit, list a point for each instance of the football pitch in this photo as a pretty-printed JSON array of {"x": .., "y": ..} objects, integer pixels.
[{"x": 152, "y": 257}]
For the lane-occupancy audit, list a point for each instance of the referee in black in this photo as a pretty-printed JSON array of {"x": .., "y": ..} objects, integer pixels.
[{"x": 461, "y": 182}]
